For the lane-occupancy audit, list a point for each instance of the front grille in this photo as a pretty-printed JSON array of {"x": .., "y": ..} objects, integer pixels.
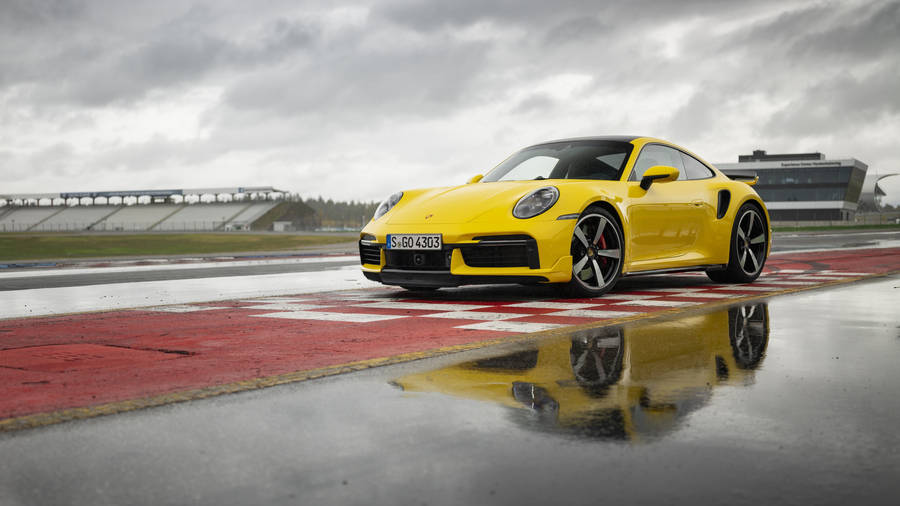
[
  {"x": 422, "y": 260},
  {"x": 502, "y": 251},
  {"x": 495, "y": 256},
  {"x": 370, "y": 253}
]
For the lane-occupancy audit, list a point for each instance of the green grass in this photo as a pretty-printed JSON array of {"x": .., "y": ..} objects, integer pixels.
[
  {"x": 885, "y": 226},
  {"x": 46, "y": 246}
]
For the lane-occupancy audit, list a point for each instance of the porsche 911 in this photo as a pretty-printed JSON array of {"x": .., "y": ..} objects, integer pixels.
[{"x": 577, "y": 213}]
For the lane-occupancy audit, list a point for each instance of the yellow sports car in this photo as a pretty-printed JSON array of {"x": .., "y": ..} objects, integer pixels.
[
  {"x": 632, "y": 382},
  {"x": 576, "y": 212}
]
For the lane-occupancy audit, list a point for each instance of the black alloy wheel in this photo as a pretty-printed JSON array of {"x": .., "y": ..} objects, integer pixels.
[
  {"x": 749, "y": 245},
  {"x": 749, "y": 333},
  {"x": 597, "y": 252}
]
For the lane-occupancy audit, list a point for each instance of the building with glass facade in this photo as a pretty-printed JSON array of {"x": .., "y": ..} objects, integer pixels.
[{"x": 804, "y": 186}]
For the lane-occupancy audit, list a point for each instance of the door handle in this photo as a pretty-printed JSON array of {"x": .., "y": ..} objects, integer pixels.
[{"x": 698, "y": 203}]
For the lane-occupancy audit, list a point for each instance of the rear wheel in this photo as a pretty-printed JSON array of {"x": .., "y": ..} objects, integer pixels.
[
  {"x": 597, "y": 252},
  {"x": 748, "y": 247}
]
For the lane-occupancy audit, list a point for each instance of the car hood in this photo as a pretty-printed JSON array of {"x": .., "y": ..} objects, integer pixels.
[{"x": 460, "y": 204}]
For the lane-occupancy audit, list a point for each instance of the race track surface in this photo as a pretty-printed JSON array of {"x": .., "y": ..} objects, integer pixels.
[{"x": 59, "y": 368}]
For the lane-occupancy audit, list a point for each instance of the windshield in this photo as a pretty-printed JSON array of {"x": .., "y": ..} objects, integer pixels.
[{"x": 584, "y": 159}]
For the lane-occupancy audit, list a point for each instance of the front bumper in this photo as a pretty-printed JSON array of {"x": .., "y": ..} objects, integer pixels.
[{"x": 479, "y": 255}]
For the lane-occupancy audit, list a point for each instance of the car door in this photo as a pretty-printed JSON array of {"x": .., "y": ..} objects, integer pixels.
[{"x": 666, "y": 219}]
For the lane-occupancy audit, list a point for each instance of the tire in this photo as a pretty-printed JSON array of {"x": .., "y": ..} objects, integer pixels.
[
  {"x": 596, "y": 247},
  {"x": 748, "y": 331},
  {"x": 747, "y": 249}
]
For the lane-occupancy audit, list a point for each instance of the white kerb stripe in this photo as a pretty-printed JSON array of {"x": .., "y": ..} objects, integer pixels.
[
  {"x": 626, "y": 296},
  {"x": 704, "y": 295},
  {"x": 475, "y": 315},
  {"x": 520, "y": 327},
  {"x": 656, "y": 303},
  {"x": 422, "y": 306},
  {"x": 274, "y": 300},
  {"x": 179, "y": 309},
  {"x": 553, "y": 305},
  {"x": 331, "y": 317},
  {"x": 283, "y": 307},
  {"x": 747, "y": 288},
  {"x": 592, "y": 313}
]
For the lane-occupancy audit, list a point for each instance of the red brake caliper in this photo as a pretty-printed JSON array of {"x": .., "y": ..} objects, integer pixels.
[{"x": 603, "y": 246}]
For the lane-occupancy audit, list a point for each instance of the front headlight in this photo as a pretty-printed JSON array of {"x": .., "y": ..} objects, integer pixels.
[
  {"x": 386, "y": 206},
  {"x": 536, "y": 202}
]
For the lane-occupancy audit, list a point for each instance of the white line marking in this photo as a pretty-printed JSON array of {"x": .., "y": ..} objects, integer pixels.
[
  {"x": 747, "y": 288},
  {"x": 181, "y": 309},
  {"x": 790, "y": 283},
  {"x": 476, "y": 315},
  {"x": 704, "y": 295},
  {"x": 626, "y": 296},
  {"x": 669, "y": 291},
  {"x": 274, "y": 300},
  {"x": 552, "y": 305},
  {"x": 282, "y": 306},
  {"x": 423, "y": 306},
  {"x": 521, "y": 327},
  {"x": 331, "y": 317},
  {"x": 813, "y": 277},
  {"x": 656, "y": 303},
  {"x": 75, "y": 299},
  {"x": 162, "y": 266},
  {"x": 592, "y": 313}
]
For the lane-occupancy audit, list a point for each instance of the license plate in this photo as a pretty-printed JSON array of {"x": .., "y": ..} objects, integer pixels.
[{"x": 414, "y": 241}]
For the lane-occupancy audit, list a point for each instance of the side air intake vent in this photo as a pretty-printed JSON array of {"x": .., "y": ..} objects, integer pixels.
[{"x": 724, "y": 200}]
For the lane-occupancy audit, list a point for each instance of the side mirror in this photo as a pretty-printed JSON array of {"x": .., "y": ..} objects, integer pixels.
[
  {"x": 475, "y": 179},
  {"x": 659, "y": 174}
]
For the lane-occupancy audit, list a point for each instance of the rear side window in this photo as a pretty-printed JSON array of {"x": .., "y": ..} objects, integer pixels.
[
  {"x": 695, "y": 168},
  {"x": 656, "y": 154}
]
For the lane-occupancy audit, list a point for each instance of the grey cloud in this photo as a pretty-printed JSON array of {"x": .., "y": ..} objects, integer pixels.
[
  {"x": 534, "y": 103},
  {"x": 300, "y": 82},
  {"x": 417, "y": 79},
  {"x": 540, "y": 14},
  {"x": 822, "y": 34},
  {"x": 840, "y": 104},
  {"x": 577, "y": 29},
  {"x": 101, "y": 64},
  {"x": 862, "y": 33}
]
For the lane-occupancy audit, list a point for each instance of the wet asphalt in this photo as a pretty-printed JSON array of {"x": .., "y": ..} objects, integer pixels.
[
  {"x": 782, "y": 242},
  {"x": 786, "y": 400}
]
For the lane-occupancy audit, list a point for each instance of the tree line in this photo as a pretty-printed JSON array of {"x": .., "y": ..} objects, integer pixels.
[{"x": 338, "y": 214}]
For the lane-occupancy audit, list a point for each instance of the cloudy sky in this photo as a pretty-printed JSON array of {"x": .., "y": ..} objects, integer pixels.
[{"x": 357, "y": 99}]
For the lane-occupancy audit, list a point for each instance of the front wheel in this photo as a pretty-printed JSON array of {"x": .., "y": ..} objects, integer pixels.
[
  {"x": 748, "y": 247},
  {"x": 597, "y": 252}
]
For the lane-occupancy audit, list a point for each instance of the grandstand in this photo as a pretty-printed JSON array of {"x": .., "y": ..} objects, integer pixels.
[
  {"x": 136, "y": 218},
  {"x": 138, "y": 210},
  {"x": 203, "y": 216},
  {"x": 74, "y": 218}
]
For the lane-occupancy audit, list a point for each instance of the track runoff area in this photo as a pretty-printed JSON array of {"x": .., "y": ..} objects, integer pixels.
[{"x": 59, "y": 368}]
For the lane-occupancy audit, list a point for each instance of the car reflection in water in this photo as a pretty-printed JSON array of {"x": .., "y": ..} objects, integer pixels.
[{"x": 632, "y": 382}]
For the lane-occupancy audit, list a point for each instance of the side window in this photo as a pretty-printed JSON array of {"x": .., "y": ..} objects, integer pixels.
[
  {"x": 695, "y": 168},
  {"x": 656, "y": 154}
]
